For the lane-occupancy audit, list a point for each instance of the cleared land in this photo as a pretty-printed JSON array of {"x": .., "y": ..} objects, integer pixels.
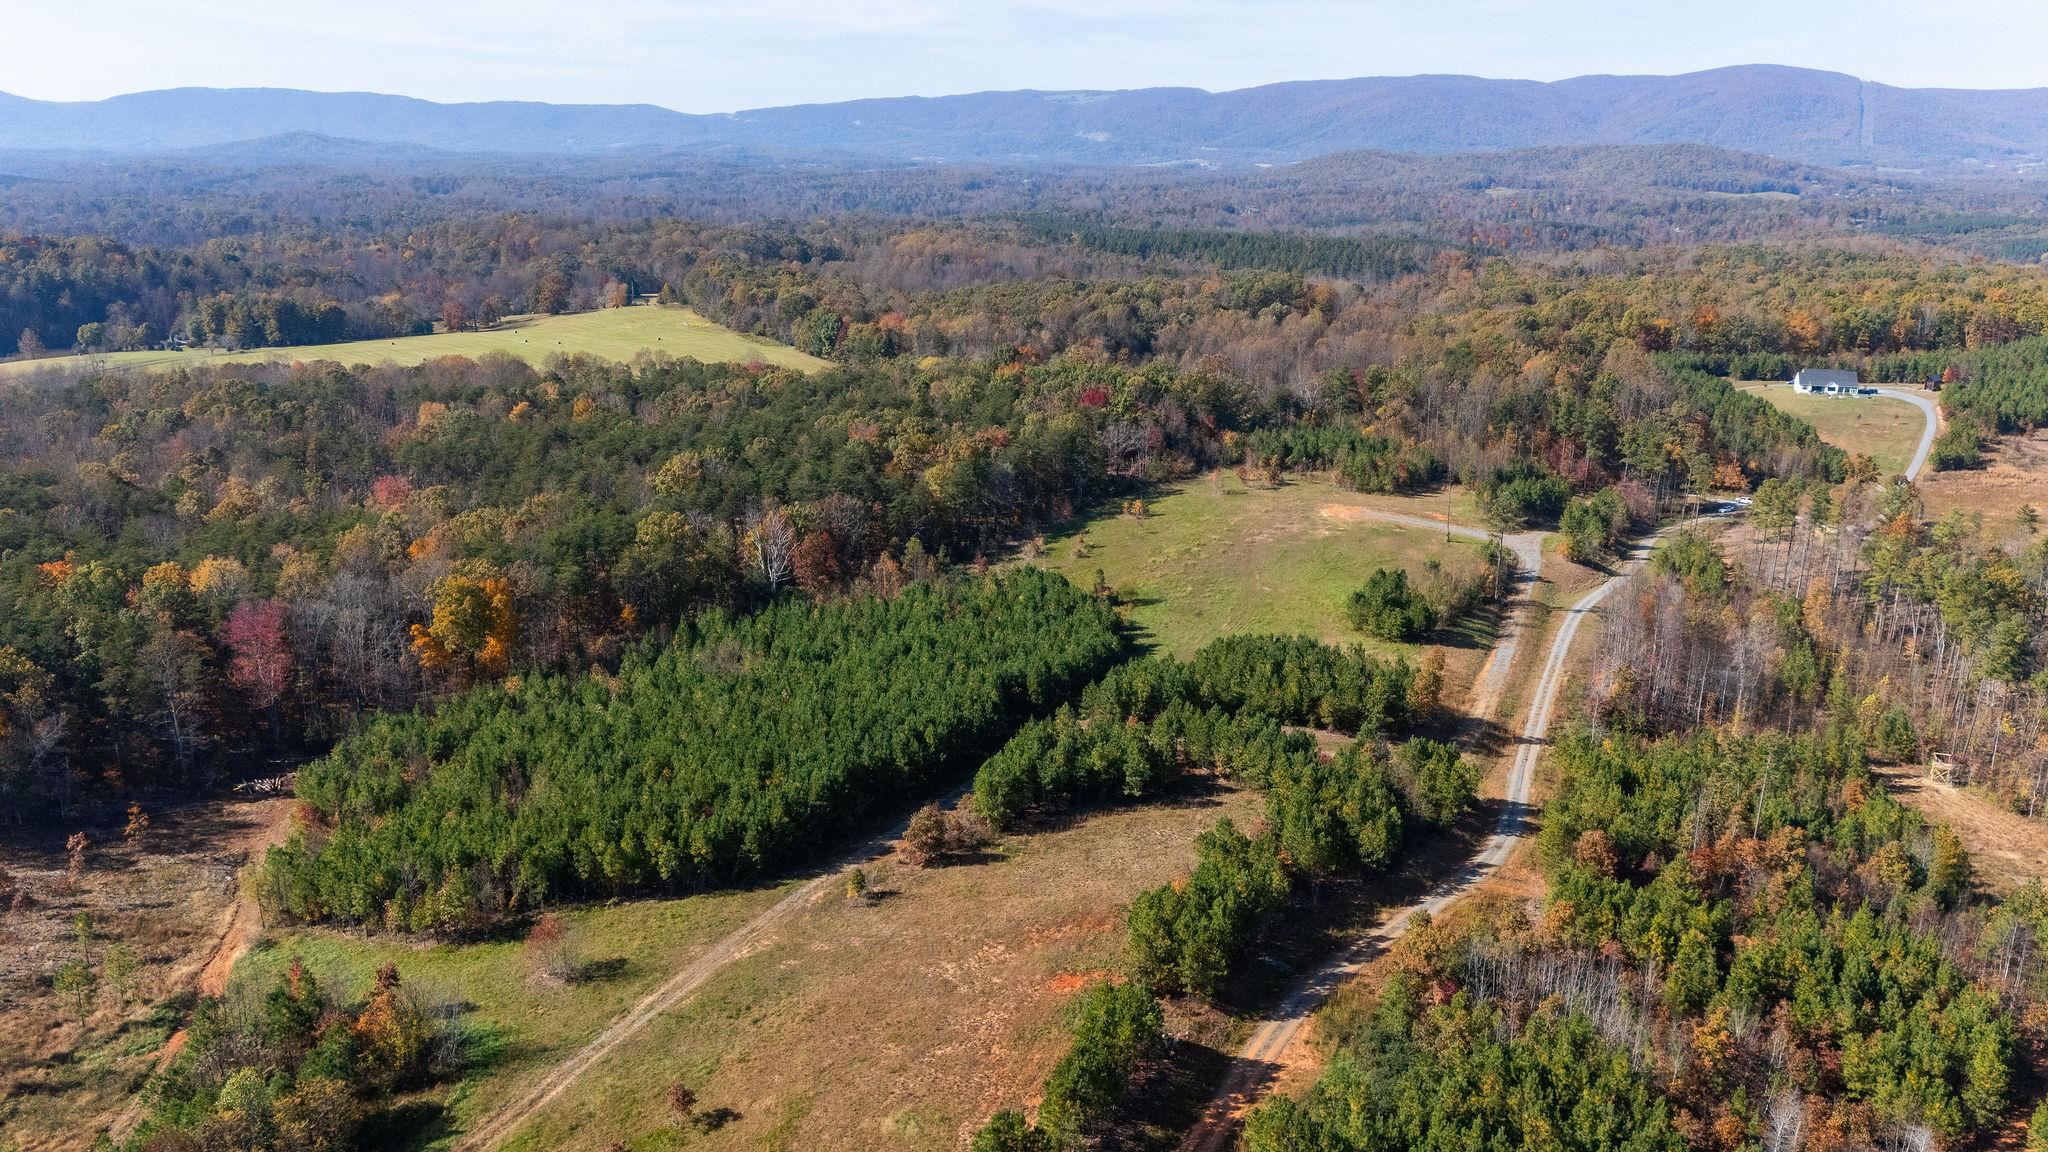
[
  {"x": 1215, "y": 558},
  {"x": 609, "y": 334},
  {"x": 2006, "y": 848},
  {"x": 68, "y": 1067},
  {"x": 1880, "y": 427},
  {"x": 2015, "y": 474},
  {"x": 905, "y": 1019},
  {"x": 901, "y": 1021}
]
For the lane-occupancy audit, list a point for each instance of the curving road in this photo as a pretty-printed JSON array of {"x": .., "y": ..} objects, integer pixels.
[
  {"x": 1260, "y": 1060},
  {"x": 1932, "y": 412}
]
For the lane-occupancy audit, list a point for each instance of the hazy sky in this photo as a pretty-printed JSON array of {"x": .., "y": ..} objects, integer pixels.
[{"x": 720, "y": 55}]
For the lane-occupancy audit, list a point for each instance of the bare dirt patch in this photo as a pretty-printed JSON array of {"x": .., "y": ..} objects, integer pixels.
[
  {"x": 2006, "y": 848},
  {"x": 71, "y": 1066}
]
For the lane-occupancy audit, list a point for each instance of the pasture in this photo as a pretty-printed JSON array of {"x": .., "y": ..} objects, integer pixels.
[
  {"x": 898, "y": 1021},
  {"x": 608, "y": 334},
  {"x": 2014, "y": 476},
  {"x": 1884, "y": 429},
  {"x": 1214, "y": 557}
]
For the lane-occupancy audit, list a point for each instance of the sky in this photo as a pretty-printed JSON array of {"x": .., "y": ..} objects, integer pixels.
[{"x": 724, "y": 55}]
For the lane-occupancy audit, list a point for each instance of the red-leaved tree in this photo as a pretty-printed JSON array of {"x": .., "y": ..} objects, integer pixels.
[{"x": 261, "y": 662}]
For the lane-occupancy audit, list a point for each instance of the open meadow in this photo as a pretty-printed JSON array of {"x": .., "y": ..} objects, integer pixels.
[
  {"x": 518, "y": 1021},
  {"x": 608, "y": 333},
  {"x": 1880, "y": 427},
  {"x": 1214, "y": 557}
]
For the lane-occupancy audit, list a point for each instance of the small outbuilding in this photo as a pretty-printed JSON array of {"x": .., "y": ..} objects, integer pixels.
[{"x": 1825, "y": 382}]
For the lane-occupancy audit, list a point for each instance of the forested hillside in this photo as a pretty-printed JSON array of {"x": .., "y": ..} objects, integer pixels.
[
  {"x": 558, "y": 640},
  {"x": 209, "y": 567}
]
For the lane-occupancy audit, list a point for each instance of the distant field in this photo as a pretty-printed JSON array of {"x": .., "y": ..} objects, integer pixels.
[
  {"x": 1217, "y": 558},
  {"x": 609, "y": 333},
  {"x": 1880, "y": 427}
]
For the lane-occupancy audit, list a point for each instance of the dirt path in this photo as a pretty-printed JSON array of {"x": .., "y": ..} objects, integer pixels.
[
  {"x": 2006, "y": 848},
  {"x": 1491, "y": 685},
  {"x": 675, "y": 990},
  {"x": 1278, "y": 1042},
  {"x": 270, "y": 822}
]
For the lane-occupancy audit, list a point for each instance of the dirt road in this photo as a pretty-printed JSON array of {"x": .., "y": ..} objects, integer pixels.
[
  {"x": 1275, "y": 1044},
  {"x": 269, "y": 822},
  {"x": 675, "y": 990}
]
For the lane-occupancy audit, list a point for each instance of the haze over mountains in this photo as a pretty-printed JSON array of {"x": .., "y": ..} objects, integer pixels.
[{"x": 1796, "y": 114}]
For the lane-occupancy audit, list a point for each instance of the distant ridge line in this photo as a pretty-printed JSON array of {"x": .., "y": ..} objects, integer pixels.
[{"x": 1798, "y": 114}]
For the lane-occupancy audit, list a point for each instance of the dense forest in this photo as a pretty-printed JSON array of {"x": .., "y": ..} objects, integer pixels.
[
  {"x": 1745, "y": 939},
  {"x": 540, "y": 634},
  {"x": 731, "y": 753},
  {"x": 209, "y": 567}
]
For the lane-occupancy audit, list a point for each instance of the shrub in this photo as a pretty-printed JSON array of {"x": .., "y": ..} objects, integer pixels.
[
  {"x": 924, "y": 840},
  {"x": 550, "y": 953},
  {"x": 1389, "y": 609},
  {"x": 1006, "y": 1131},
  {"x": 1961, "y": 447}
]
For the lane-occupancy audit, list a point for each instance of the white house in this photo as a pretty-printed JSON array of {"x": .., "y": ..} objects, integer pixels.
[{"x": 1825, "y": 381}]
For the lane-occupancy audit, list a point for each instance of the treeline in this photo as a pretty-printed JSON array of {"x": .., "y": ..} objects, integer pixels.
[
  {"x": 732, "y": 753},
  {"x": 263, "y": 320},
  {"x": 1149, "y": 721},
  {"x": 1360, "y": 462},
  {"x": 1234, "y": 710},
  {"x": 1352, "y": 257}
]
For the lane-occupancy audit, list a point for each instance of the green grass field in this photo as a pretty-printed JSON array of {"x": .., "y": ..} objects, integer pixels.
[
  {"x": 1880, "y": 427},
  {"x": 1215, "y": 558},
  {"x": 610, "y": 334}
]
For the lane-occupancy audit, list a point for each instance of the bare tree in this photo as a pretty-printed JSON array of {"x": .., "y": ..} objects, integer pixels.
[{"x": 772, "y": 538}]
